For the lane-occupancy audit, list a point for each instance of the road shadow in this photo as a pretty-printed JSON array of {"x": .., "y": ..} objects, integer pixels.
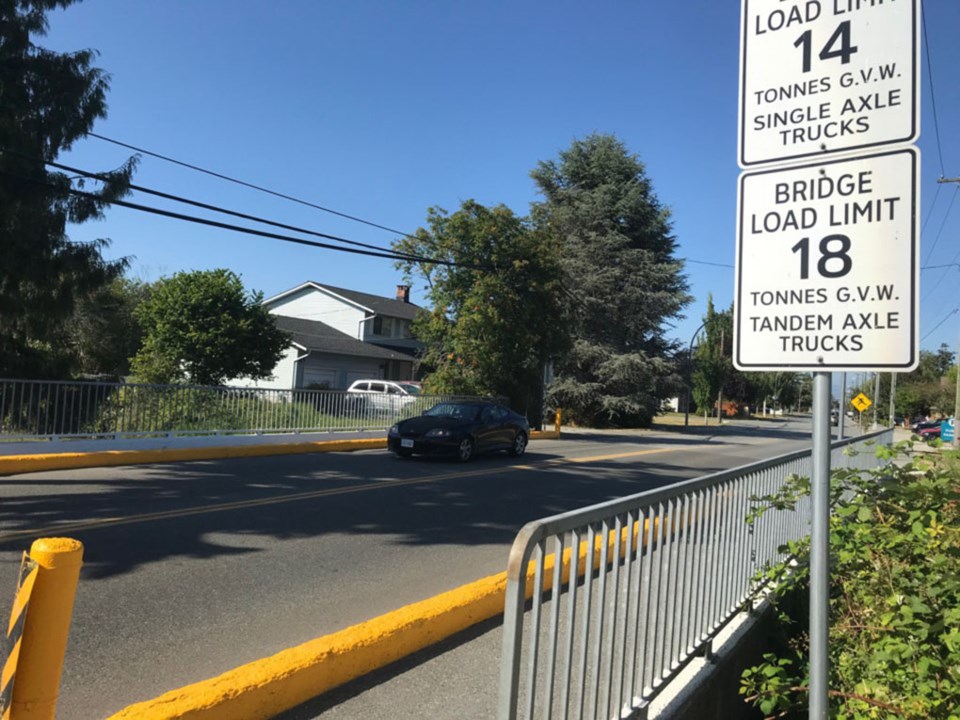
[{"x": 131, "y": 516}]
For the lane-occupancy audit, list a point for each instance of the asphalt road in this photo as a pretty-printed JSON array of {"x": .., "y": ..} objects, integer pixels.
[{"x": 192, "y": 569}]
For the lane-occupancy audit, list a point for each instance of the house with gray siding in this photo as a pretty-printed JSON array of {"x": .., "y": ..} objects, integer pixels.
[{"x": 340, "y": 335}]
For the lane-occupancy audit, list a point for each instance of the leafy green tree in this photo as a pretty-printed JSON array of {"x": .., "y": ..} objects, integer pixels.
[
  {"x": 497, "y": 314},
  {"x": 776, "y": 389},
  {"x": 48, "y": 101},
  {"x": 202, "y": 326},
  {"x": 620, "y": 271}
]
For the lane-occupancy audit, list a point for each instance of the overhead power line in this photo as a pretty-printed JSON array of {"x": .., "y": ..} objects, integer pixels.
[
  {"x": 704, "y": 262},
  {"x": 933, "y": 97},
  {"x": 284, "y": 196},
  {"x": 934, "y": 328},
  {"x": 252, "y": 186},
  {"x": 937, "y": 267},
  {"x": 233, "y": 213},
  {"x": 244, "y": 230},
  {"x": 946, "y": 215}
]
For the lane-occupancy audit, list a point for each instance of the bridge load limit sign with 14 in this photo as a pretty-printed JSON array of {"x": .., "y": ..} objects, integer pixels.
[
  {"x": 827, "y": 273},
  {"x": 826, "y": 76}
]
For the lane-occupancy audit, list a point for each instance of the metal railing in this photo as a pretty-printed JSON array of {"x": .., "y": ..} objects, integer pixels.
[
  {"x": 623, "y": 595},
  {"x": 39, "y": 409}
]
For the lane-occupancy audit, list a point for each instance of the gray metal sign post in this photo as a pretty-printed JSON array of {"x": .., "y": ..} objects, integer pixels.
[{"x": 820, "y": 549}]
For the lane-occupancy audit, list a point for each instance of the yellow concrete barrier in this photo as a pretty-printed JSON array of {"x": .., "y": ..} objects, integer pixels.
[
  {"x": 46, "y": 628},
  {"x": 13, "y": 464},
  {"x": 265, "y": 688}
]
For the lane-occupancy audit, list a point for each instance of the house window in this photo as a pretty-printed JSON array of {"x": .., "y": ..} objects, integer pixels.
[{"x": 378, "y": 325}]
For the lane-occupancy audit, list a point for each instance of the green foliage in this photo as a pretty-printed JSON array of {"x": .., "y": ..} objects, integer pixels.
[
  {"x": 103, "y": 332},
  {"x": 144, "y": 409},
  {"x": 498, "y": 314},
  {"x": 48, "y": 101},
  {"x": 928, "y": 390},
  {"x": 620, "y": 270},
  {"x": 778, "y": 389},
  {"x": 202, "y": 325},
  {"x": 895, "y": 598}
]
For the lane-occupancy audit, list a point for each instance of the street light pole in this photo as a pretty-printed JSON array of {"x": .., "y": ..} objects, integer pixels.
[
  {"x": 686, "y": 408},
  {"x": 956, "y": 403}
]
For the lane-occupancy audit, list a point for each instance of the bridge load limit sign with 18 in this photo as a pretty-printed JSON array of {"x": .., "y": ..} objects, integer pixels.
[{"x": 827, "y": 274}]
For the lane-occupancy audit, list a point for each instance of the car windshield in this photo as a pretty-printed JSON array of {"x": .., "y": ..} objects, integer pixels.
[
  {"x": 463, "y": 411},
  {"x": 411, "y": 389}
]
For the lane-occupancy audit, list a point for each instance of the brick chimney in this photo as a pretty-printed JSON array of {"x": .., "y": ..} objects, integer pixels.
[{"x": 403, "y": 293}]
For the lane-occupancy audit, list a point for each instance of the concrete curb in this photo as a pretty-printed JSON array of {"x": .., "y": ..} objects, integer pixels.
[
  {"x": 15, "y": 464},
  {"x": 265, "y": 688}
]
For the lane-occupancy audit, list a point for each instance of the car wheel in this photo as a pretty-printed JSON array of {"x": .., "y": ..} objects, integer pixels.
[
  {"x": 465, "y": 449},
  {"x": 519, "y": 444}
]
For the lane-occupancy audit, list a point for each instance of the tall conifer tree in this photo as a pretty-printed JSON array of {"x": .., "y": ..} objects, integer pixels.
[
  {"x": 621, "y": 276},
  {"x": 48, "y": 101}
]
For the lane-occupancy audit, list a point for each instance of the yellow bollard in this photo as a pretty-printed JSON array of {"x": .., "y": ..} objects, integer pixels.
[
  {"x": 44, "y": 640},
  {"x": 557, "y": 422}
]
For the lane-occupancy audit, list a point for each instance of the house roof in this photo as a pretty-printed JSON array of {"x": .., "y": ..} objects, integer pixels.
[
  {"x": 316, "y": 336},
  {"x": 390, "y": 307}
]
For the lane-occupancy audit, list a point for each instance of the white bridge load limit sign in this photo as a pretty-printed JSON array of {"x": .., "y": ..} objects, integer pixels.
[
  {"x": 827, "y": 273},
  {"x": 826, "y": 76}
]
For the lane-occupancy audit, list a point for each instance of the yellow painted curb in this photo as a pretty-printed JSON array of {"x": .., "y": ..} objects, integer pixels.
[
  {"x": 265, "y": 688},
  {"x": 13, "y": 464}
]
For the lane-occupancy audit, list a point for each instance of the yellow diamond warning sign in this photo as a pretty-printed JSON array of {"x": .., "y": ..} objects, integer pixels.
[{"x": 861, "y": 402}]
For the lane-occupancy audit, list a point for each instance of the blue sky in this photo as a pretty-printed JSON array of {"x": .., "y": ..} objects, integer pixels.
[{"x": 383, "y": 109}]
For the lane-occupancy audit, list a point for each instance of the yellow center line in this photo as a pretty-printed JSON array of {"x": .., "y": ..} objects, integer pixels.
[{"x": 293, "y": 497}]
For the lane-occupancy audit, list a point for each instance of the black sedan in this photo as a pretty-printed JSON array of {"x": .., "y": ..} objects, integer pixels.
[{"x": 461, "y": 428}]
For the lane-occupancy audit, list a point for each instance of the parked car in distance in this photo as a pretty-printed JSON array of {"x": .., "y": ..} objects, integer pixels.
[
  {"x": 384, "y": 394},
  {"x": 461, "y": 428},
  {"x": 931, "y": 432},
  {"x": 924, "y": 424}
]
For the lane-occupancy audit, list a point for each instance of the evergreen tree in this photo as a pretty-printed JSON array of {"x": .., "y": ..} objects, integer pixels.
[
  {"x": 48, "y": 101},
  {"x": 622, "y": 277}
]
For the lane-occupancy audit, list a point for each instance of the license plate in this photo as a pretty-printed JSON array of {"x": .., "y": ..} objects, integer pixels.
[{"x": 406, "y": 443}]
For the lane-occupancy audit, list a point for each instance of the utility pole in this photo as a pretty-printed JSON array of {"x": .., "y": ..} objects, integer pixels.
[
  {"x": 956, "y": 403},
  {"x": 876, "y": 398},
  {"x": 893, "y": 396},
  {"x": 842, "y": 409},
  {"x": 720, "y": 393}
]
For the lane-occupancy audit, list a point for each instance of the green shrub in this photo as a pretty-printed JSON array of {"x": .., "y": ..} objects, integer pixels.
[{"x": 895, "y": 596}]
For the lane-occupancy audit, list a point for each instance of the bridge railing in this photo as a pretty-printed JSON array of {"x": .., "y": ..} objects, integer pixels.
[
  {"x": 40, "y": 409},
  {"x": 624, "y": 594}
]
